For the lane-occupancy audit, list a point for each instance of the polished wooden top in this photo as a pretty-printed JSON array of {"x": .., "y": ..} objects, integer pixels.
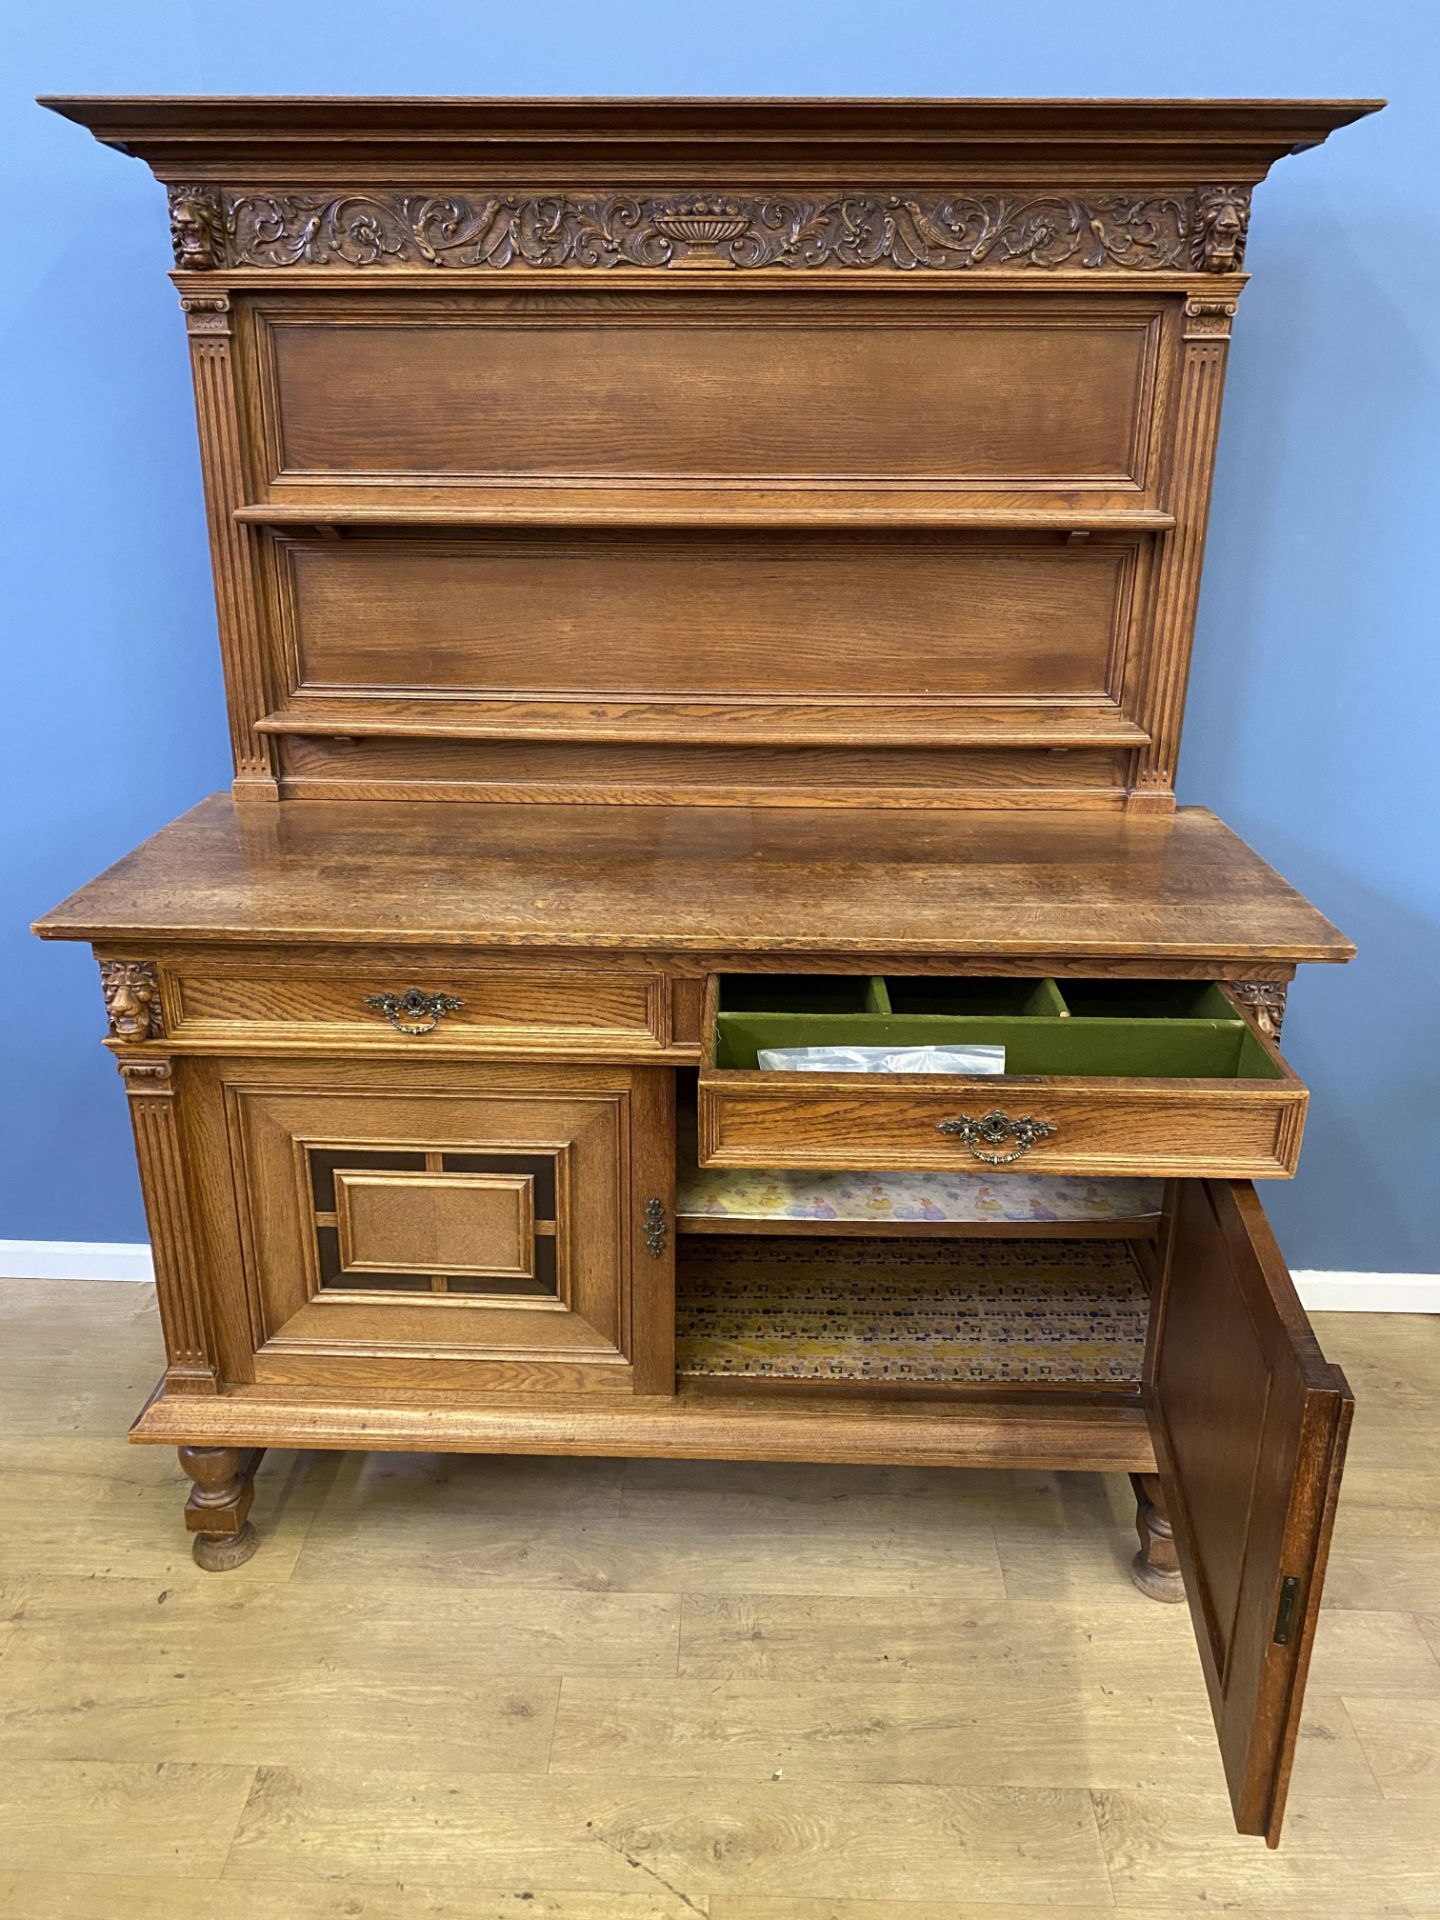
[{"x": 701, "y": 880}]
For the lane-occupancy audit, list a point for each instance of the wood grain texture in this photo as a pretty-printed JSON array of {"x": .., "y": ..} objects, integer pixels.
[
  {"x": 233, "y": 548},
  {"x": 169, "y": 1214},
  {"x": 918, "y": 391},
  {"x": 375, "y": 766},
  {"x": 377, "y": 292},
  {"x": 278, "y": 1147},
  {"x": 135, "y": 1817},
  {"x": 865, "y": 1691},
  {"x": 691, "y": 1426},
  {"x": 1127, "y": 1127},
  {"x": 659, "y": 539},
  {"x": 113, "y": 1896},
  {"x": 707, "y": 882},
  {"x": 777, "y": 1837},
  {"x": 1250, "y": 1423},
  {"x": 203, "y": 138},
  {"x": 766, "y": 617},
  {"x": 1179, "y": 552},
  {"x": 221, "y": 998}
]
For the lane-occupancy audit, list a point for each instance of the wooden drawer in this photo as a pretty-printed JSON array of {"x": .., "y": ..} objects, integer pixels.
[
  {"x": 1150, "y": 1077},
  {"x": 452, "y": 1004}
]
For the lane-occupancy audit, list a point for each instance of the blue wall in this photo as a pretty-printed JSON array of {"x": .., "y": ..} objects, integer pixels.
[{"x": 1313, "y": 717}]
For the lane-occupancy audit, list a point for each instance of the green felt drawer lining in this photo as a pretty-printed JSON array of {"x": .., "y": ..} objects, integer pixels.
[{"x": 1111, "y": 1029}]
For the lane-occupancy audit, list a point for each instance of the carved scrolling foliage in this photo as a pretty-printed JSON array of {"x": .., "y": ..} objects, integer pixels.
[
  {"x": 1266, "y": 1000},
  {"x": 956, "y": 232}
]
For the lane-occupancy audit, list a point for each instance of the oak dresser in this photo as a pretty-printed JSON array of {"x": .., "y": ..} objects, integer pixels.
[{"x": 698, "y": 578}]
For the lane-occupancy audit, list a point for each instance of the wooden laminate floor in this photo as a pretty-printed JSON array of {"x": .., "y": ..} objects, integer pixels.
[{"x": 571, "y": 1690}]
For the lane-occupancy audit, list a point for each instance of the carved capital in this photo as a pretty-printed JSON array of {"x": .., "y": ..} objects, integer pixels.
[
  {"x": 1266, "y": 1000},
  {"x": 1218, "y": 230},
  {"x": 152, "y": 1079},
  {"x": 1208, "y": 319},
  {"x": 132, "y": 1000},
  {"x": 960, "y": 230},
  {"x": 207, "y": 313},
  {"x": 197, "y": 227}
]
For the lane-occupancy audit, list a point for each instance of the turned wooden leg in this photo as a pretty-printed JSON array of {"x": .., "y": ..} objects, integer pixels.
[
  {"x": 1156, "y": 1567},
  {"x": 219, "y": 1501}
]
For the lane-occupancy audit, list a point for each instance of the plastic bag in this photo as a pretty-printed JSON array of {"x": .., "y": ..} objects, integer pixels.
[{"x": 967, "y": 1060}]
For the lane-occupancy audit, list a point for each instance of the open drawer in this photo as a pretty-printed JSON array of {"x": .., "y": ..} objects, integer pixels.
[{"x": 1101, "y": 1077}]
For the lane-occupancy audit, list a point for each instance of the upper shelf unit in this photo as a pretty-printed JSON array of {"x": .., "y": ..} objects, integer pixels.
[{"x": 853, "y": 452}]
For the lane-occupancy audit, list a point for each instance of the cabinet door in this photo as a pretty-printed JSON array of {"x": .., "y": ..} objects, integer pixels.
[
  {"x": 442, "y": 1226},
  {"x": 1249, "y": 1422}
]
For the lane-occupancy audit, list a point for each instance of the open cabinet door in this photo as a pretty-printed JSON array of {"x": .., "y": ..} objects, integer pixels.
[{"x": 1249, "y": 1422}]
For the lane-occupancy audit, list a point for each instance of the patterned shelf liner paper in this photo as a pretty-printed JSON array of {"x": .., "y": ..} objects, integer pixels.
[
  {"x": 717, "y": 1193},
  {"x": 1048, "y": 1312}
]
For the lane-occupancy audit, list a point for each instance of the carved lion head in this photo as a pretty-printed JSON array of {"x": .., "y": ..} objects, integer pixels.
[
  {"x": 196, "y": 226},
  {"x": 132, "y": 999},
  {"x": 1222, "y": 214}
]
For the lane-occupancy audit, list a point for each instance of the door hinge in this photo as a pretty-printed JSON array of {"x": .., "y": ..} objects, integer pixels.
[{"x": 1285, "y": 1612}]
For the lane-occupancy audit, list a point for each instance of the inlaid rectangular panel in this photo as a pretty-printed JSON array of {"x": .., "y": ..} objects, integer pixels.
[
  {"x": 473, "y": 1225},
  {"x": 735, "y": 614},
  {"x": 442, "y": 1223},
  {"x": 712, "y": 387}
]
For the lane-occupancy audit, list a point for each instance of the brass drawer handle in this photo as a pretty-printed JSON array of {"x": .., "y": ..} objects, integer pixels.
[
  {"x": 994, "y": 1128},
  {"x": 413, "y": 1012}
]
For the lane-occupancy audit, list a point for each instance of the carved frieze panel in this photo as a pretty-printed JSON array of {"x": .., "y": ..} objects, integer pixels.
[{"x": 966, "y": 230}]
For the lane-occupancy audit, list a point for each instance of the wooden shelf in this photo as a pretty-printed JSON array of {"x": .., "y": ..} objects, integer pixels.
[
  {"x": 899, "y": 722},
  {"x": 657, "y": 510}
]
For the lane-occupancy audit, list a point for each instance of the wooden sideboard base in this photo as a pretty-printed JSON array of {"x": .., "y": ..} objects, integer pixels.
[{"x": 698, "y": 1424}]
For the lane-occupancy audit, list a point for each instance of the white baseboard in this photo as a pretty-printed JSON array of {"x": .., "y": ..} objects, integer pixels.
[
  {"x": 76, "y": 1260},
  {"x": 1368, "y": 1292},
  {"x": 1319, "y": 1292}
]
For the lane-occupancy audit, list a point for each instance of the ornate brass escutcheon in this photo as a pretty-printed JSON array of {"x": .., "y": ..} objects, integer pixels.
[
  {"x": 414, "y": 1011},
  {"x": 657, "y": 1227},
  {"x": 994, "y": 1129}
]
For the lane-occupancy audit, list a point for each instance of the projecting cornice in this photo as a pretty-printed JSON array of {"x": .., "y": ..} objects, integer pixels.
[{"x": 300, "y": 144}]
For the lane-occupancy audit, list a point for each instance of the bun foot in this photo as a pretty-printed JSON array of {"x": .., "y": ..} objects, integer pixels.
[
  {"x": 1156, "y": 1567},
  {"x": 1154, "y": 1582},
  {"x": 220, "y": 1499},
  {"x": 220, "y": 1552}
]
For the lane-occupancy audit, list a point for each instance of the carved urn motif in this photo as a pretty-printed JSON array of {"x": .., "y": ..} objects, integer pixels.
[{"x": 702, "y": 227}]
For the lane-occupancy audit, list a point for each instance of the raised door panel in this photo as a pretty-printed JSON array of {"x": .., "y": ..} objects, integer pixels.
[
  {"x": 436, "y": 1227},
  {"x": 1249, "y": 1422},
  {"x": 704, "y": 387},
  {"x": 823, "y": 614}
]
